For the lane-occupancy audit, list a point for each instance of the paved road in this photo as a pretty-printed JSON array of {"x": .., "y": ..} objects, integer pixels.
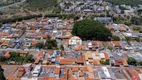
[{"x": 11, "y": 5}]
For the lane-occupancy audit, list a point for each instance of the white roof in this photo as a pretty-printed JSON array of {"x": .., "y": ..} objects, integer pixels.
[
  {"x": 140, "y": 75},
  {"x": 90, "y": 44},
  {"x": 35, "y": 75},
  {"x": 102, "y": 55},
  {"x": 128, "y": 47},
  {"x": 27, "y": 65},
  {"x": 106, "y": 72},
  {"x": 75, "y": 40},
  {"x": 37, "y": 68},
  {"x": 95, "y": 57},
  {"x": 5, "y": 30},
  {"x": 37, "y": 30},
  {"x": 75, "y": 37},
  {"x": 25, "y": 78},
  {"x": 55, "y": 31},
  {"x": 35, "y": 72},
  {"x": 127, "y": 34}
]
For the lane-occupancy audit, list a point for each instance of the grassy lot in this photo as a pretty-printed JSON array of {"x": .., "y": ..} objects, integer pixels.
[{"x": 41, "y": 4}]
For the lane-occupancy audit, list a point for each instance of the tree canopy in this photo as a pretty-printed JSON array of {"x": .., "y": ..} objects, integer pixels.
[
  {"x": 127, "y": 2},
  {"x": 39, "y": 45},
  {"x": 91, "y": 30},
  {"x": 131, "y": 61},
  {"x": 115, "y": 38},
  {"x": 50, "y": 44},
  {"x": 29, "y": 58},
  {"x": 136, "y": 20},
  {"x": 1, "y": 74},
  {"x": 1, "y": 24}
]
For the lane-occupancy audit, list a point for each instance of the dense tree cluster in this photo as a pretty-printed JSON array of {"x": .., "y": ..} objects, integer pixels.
[
  {"x": 62, "y": 47},
  {"x": 127, "y": 2},
  {"x": 2, "y": 77},
  {"x": 29, "y": 58},
  {"x": 115, "y": 38},
  {"x": 131, "y": 61},
  {"x": 127, "y": 20},
  {"x": 11, "y": 20},
  {"x": 39, "y": 45},
  {"x": 1, "y": 24},
  {"x": 50, "y": 44},
  {"x": 91, "y": 30},
  {"x": 17, "y": 58},
  {"x": 2, "y": 58},
  {"x": 1, "y": 13},
  {"x": 136, "y": 20},
  {"x": 62, "y": 16}
]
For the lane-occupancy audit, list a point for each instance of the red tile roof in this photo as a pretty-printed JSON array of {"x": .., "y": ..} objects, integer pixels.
[
  {"x": 116, "y": 43},
  {"x": 106, "y": 56},
  {"x": 57, "y": 70},
  {"x": 124, "y": 62},
  {"x": 75, "y": 68},
  {"x": 117, "y": 63},
  {"x": 34, "y": 42},
  {"x": 67, "y": 61},
  {"x": 67, "y": 42},
  {"x": 132, "y": 74},
  {"x": 7, "y": 54}
]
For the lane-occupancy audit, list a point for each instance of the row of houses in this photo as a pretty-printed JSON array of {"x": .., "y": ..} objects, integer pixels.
[
  {"x": 86, "y": 7},
  {"x": 42, "y": 72}
]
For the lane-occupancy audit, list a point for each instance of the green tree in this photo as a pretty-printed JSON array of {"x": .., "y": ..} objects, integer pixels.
[
  {"x": 28, "y": 58},
  {"x": 2, "y": 58},
  {"x": 15, "y": 54},
  {"x": 1, "y": 24},
  {"x": 51, "y": 44},
  {"x": 2, "y": 77},
  {"x": 127, "y": 2},
  {"x": 89, "y": 29},
  {"x": 106, "y": 62},
  {"x": 136, "y": 20},
  {"x": 115, "y": 38},
  {"x": 131, "y": 61},
  {"x": 39, "y": 45},
  {"x": 1, "y": 13},
  {"x": 134, "y": 27},
  {"x": 140, "y": 31},
  {"x": 62, "y": 47},
  {"x": 139, "y": 63},
  {"x": 109, "y": 47},
  {"x": 127, "y": 23}
]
